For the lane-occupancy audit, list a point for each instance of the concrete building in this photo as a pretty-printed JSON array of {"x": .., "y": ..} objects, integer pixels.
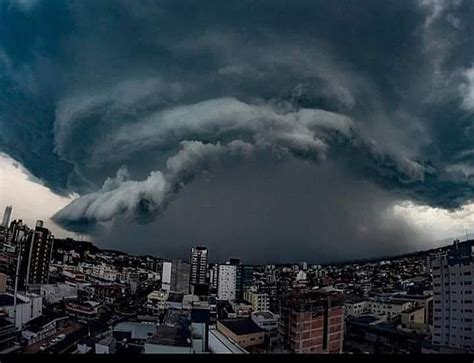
[
  {"x": 43, "y": 327},
  {"x": 166, "y": 276},
  {"x": 266, "y": 320},
  {"x": 132, "y": 330},
  {"x": 198, "y": 280},
  {"x": 388, "y": 308},
  {"x": 242, "y": 331},
  {"x": 355, "y": 306},
  {"x": 220, "y": 344},
  {"x": 36, "y": 257},
  {"x": 311, "y": 322},
  {"x": 6, "y": 216},
  {"x": 259, "y": 300},
  {"x": 172, "y": 336},
  {"x": 176, "y": 276},
  {"x": 156, "y": 300},
  {"x": 414, "y": 318},
  {"x": 453, "y": 302},
  {"x": 29, "y": 307},
  {"x": 227, "y": 282},
  {"x": 108, "y": 345},
  {"x": 53, "y": 294}
]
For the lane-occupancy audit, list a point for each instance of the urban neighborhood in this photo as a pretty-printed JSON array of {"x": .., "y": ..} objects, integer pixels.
[{"x": 66, "y": 296}]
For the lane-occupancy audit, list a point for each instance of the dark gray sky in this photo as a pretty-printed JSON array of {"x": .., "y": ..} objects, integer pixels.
[{"x": 260, "y": 128}]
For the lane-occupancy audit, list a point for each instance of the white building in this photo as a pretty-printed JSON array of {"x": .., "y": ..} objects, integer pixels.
[
  {"x": 29, "y": 307},
  {"x": 301, "y": 276},
  {"x": 156, "y": 300},
  {"x": 259, "y": 300},
  {"x": 266, "y": 320},
  {"x": 58, "y": 292},
  {"x": 388, "y": 309},
  {"x": 227, "y": 282},
  {"x": 166, "y": 276},
  {"x": 453, "y": 302},
  {"x": 356, "y": 307},
  {"x": 106, "y": 346}
]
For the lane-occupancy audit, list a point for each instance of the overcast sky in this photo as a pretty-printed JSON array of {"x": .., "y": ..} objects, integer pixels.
[{"x": 265, "y": 130}]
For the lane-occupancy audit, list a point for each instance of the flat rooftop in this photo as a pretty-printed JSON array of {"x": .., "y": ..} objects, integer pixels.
[
  {"x": 8, "y": 300},
  {"x": 264, "y": 314},
  {"x": 241, "y": 326}
]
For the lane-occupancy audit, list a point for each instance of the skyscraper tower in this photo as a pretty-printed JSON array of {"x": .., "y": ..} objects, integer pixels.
[
  {"x": 198, "y": 278},
  {"x": 6, "y": 216},
  {"x": 36, "y": 257}
]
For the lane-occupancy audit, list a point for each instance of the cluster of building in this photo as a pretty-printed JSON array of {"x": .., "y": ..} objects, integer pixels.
[{"x": 67, "y": 296}]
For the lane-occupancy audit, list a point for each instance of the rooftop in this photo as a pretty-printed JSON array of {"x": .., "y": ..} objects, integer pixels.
[
  {"x": 38, "y": 323},
  {"x": 107, "y": 341},
  {"x": 241, "y": 326},
  {"x": 8, "y": 300},
  {"x": 174, "y": 331},
  {"x": 264, "y": 314}
]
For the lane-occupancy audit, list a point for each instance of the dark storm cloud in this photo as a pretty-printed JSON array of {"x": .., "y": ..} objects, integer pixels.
[
  {"x": 385, "y": 90},
  {"x": 240, "y": 211}
]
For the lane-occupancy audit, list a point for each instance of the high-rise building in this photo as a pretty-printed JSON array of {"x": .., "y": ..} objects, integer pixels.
[
  {"x": 453, "y": 302},
  {"x": 17, "y": 231},
  {"x": 227, "y": 282},
  {"x": 311, "y": 322},
  {"x": 213, "y": 275},
  {"x": 166, "y": 276},
  {"x": 198, "y": 278},
  {"x": 6, "y": 216},
  {"x": 35, "y": 257},
  {"x": 180, "y": 274},
  {"x": 246, "y": 276},
  {"x": 239, "y": 292},
  {"x": 175, "y": 276}
]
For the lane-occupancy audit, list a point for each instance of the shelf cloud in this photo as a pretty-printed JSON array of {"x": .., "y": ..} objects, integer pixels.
[{"x": 134, "y": 105}]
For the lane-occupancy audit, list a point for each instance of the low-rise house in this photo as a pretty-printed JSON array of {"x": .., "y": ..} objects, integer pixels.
[
  {"x": 43, "y": 327},
  {"x": 88, "y": 310}
]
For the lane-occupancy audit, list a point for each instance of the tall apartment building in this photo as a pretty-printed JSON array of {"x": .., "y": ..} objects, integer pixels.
[
  {"x": 180, "y": 275},
  {"x": 213, "y": 275},
  {"x": 227, "y": 282},
  {"x": 453, "y": 301},
  {"x": 198, "y": 278},
  {"x": 6, "y": 216},
  {"x": 36, "y": 256},
  {"x": 311, "y": 322}
]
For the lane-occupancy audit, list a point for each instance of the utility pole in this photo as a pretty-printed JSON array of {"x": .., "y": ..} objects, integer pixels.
[{"x": 17, "y": 272}]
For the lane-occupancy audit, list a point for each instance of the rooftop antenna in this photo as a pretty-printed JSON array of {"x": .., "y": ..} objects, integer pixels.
[{"x": 467, "y": 236}]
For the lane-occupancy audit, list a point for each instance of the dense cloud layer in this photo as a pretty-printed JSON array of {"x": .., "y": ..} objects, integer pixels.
[{"x": 384, "y": 92}]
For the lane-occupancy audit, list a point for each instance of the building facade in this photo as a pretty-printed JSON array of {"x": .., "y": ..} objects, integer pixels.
[
  {"x": 198, "y": 278},
  {"x": 311, "y": 322},
  {"x": 453, "y": 302},
  {"x": 6, "y": 216},
  {"x": 259, "y": 300},
  {"x": 227, "y": 282},
  {"x": 36, "y": 257}
]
